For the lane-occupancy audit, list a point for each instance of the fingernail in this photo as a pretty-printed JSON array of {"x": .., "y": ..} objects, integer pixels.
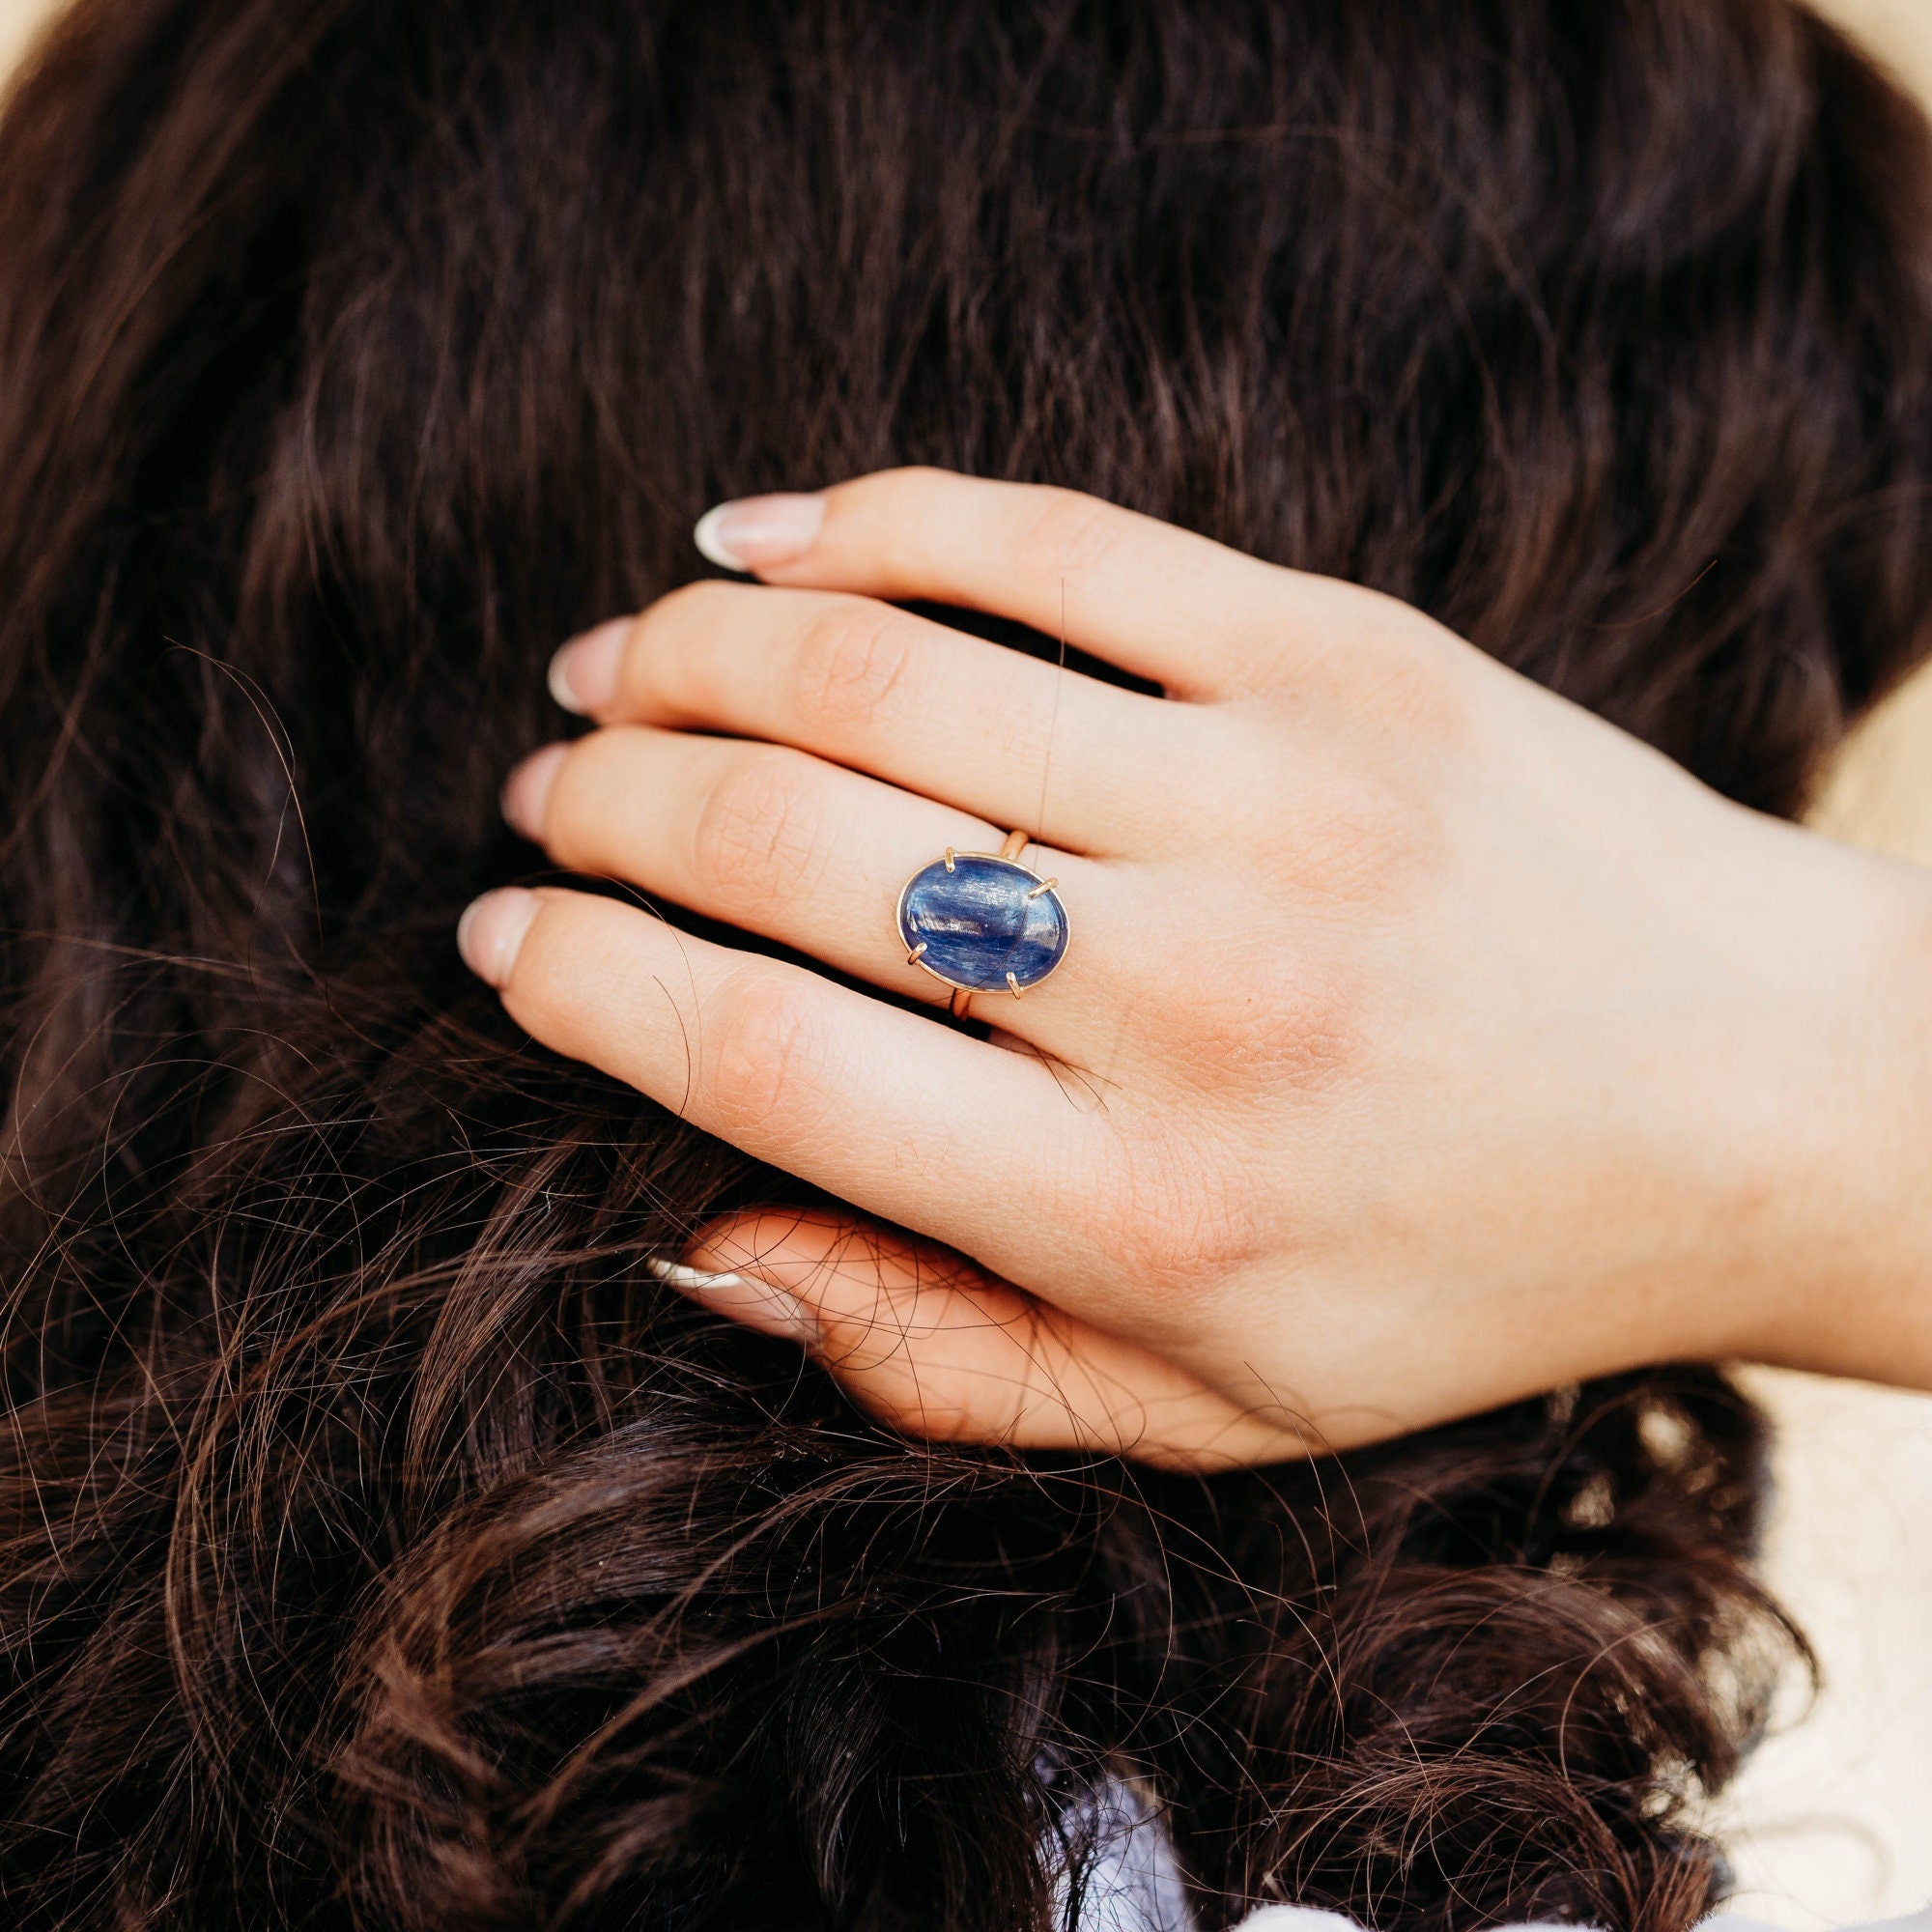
[
  {"x": 526, "y": 791},
  {"x": 490, "y": 934},
  {"x": 743, "y": 1299},
  {"x": 583, "y": 673},
  {"x": 756, "y": 532}
]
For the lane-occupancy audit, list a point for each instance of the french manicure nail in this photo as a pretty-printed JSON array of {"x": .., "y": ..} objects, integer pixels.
[
  {"x": 757, "y": 532},
  {"x": 583, "y": 674},
  {"x": 526, "y": 791},
  {"x": 490, "y": 934},
  {"x": 750, "y": 1302}
]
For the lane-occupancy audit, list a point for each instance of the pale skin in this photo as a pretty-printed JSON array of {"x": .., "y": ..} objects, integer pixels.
[{"x": 1423, "y": 1041}]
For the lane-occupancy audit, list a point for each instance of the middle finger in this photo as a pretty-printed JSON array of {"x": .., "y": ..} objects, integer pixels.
[{"x": 1080, "y": 763}]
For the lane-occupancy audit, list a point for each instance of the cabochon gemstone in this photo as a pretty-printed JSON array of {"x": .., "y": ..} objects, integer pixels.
[{"x": 978, "y": 924}]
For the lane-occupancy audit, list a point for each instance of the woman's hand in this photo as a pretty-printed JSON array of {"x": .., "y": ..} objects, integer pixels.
[{"x": 1422, "y": 1042}]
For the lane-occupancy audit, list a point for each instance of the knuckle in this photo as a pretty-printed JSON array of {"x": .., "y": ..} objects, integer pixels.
[
  {"x": 542, "y": 980},
  {"x": 901, "y": 1398},
  {"x": 1364, "y": 820},
  {"x": 579, "y": 815},
  {"x": 683, "y": 613},
  {"x": 1370, "y": 845},
  {"x": 852, "y": 656},
  {"x": 673, "y": 657},
  {"x": 1286, "y": 1009},
  {"x": 764, "y": 1060},
  {"x": 1290, "y": 1028},
  {"x": 1384, "y": 667},
  {"x": 1180, "y": 1223},
  {"x": 572, "y": 986},
  {"x": 757, "y": 835},
  {"x": 912, "y": 1383},
  {"x": 874, "y": 1359},
  {"x": 1065, "y": 534},
  {"x": 1412, "y": 681}
]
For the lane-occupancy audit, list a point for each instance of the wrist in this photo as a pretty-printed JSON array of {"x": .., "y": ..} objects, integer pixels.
[{"x": 1846, "y": 1289}]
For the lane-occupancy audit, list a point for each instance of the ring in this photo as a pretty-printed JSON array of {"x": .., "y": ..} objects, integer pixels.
[{"x": 980, "y": 920}]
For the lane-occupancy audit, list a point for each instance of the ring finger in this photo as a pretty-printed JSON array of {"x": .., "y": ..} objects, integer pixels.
[{"x": 777, "y": 842}]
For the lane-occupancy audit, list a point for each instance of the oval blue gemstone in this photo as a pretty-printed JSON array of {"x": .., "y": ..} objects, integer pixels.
[{"x": 978, "y": 923}]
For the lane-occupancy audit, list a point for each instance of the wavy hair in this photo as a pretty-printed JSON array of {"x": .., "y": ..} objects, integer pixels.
[{"x": 381, "y": 1547}]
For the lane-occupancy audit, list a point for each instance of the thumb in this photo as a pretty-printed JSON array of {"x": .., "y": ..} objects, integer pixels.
[{"x": 935, "y": 1348}]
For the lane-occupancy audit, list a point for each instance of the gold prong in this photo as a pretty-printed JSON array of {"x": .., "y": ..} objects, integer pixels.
[
  {"x": 1044, "y": 886},
  {"x": 1014, "y": 985},
  {"x": 949, "y": 859},
  {"x": 912, "y": 957}
]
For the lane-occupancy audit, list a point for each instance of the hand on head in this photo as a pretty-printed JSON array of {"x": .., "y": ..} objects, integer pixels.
[{"x": 1422, "y": 1040}]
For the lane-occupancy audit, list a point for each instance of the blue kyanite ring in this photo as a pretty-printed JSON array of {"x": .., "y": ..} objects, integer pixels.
[{"x": 982, "y": 923}]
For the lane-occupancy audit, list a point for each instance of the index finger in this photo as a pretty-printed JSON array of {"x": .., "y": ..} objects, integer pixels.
[{"x": 1197, "y": 617}]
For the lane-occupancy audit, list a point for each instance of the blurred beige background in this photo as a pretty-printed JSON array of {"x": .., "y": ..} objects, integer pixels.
[
  {"x": 18, "y": 20},
  {"x": 1833, "y": 1820}
]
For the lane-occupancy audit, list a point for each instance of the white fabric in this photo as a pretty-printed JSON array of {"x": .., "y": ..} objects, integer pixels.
[{"x": 1128, "y": 1877}]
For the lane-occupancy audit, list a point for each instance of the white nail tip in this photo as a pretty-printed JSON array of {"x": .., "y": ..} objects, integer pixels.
[
  {"x": 711, "y": 545},
  {"x": 756, "y": 1304},
  {"x": 675, "y": 1274},
  {"x": 561, "y": 695}
]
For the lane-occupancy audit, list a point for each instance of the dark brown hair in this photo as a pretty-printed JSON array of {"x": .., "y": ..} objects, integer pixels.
[{"x": 381, "y": 1547}]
